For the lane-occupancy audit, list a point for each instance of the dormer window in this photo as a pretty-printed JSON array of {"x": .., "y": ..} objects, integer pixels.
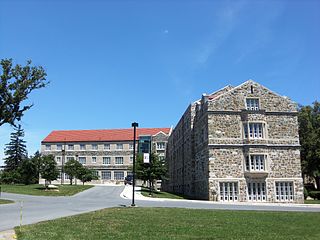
[{"x": 252, "y": 104}]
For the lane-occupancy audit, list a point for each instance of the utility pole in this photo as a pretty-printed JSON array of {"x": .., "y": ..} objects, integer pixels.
[{"x": 134, "y": 125}]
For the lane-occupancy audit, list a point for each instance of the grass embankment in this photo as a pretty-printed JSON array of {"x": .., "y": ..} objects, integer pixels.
[
  {"x": 175, "y": 223},
  {"x": 155, "y": 194},
  {"x": 5, "y": 201},
  {"x": 39, "y": 190},
  {"x": 312, "y": 201}
]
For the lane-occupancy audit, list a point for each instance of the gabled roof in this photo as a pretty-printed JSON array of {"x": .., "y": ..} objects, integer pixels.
[{"x": 101, "y": 135}]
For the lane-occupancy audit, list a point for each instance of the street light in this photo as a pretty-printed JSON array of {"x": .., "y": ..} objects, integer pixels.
[{"x": 134, "y": 125}]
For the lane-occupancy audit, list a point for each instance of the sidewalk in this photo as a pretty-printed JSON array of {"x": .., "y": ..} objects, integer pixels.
[
  {"x": 8, "y": 235},
  {"x": 127, "y": 194}
]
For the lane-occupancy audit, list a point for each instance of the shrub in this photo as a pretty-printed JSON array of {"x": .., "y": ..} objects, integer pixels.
[
  {"x": 305, "y": 193},
  {"x": 315, "y": 194}
]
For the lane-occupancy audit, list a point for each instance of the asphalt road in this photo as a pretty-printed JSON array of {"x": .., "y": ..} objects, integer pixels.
[{"x": 40, "y": 208}]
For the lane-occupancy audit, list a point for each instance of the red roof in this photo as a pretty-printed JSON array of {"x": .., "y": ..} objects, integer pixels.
[{"x": 101, "y": 135}]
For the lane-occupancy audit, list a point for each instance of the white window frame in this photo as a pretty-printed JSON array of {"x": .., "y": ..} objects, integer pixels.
[
  {"x": 229, "y": 191},
  {"x": 58, "y": 159},
  {"x": 256, "y": 162},
  {"x": 115, "y": 173},
  {"x": 82, "y": 157},
  {"x": 82, "y": 147},
  {"x": 284, "y": 191},
  {"x": 254, "y": 130},
  {"x": 94, "y": 159},
  {"x": 118, "y": 146},
  {"x": 256, "y": 191},
  {"x": 253, "y": 104},
  {"x": 59, "y": 147},
  {"x": 106, "y": 160},
  {"x": 118, "y": 158},
  {"x": 105, "y": 175},
  {"x": 94, "y": 146},
  {"x": 68, "y": 158},
  {"x": 107, "y": 148},
  {"x": 70, "y": 147},
  {"x": 48, "y": 147},
  {"x": 131, "y": 146},
  {"x": 160, "y": 145}
]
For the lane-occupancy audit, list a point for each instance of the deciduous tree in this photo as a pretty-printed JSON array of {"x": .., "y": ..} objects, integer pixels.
[
  {"x": 309, "y": 132},
  {"x": 16, "y": 83}
]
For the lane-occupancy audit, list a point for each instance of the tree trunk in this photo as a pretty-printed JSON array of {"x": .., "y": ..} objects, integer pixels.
[{"x": 317, "y": 178}]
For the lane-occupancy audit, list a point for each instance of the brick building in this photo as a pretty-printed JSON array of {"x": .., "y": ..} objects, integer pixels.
[
  {"x": 108, "y": 152},
  {"x": 237, "y": 144}
]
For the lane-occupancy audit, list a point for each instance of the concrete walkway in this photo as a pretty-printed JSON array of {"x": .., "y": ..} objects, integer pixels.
[{"x": 8, "y": 235}]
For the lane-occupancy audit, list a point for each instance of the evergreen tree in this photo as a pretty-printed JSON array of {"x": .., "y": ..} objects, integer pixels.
[{"x": 15, "y": 150}]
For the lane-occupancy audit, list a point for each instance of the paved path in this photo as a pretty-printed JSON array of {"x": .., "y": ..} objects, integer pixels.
[{"x": 40, "y": 208}]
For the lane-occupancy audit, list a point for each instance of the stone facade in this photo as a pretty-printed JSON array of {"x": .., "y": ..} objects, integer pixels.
[
  {"x": 237, "y": 144},
  {"x": 110, "y": 157}
]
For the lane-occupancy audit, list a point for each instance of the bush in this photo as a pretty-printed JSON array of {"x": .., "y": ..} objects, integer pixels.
[
  {"x": 315, "y": 194},
  {"x": 305, "y": 193},
  {"x": 10, "y": 177}
]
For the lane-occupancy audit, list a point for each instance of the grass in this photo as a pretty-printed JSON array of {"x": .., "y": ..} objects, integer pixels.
[
  {"x": 155, "y": 194},
  {"x": 5, "y": 201},
  {"x": 312, "y": 201},
  {"x": 39, "y": 190},
  {"x": 175, "y": 223}
]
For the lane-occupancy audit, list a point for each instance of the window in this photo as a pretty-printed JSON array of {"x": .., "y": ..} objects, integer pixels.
[
  {"x": 119, "y": 146},
  {"x": 96, "y": 173},
  {"x": 256, "y": 191},
  {"x": 106, "y": 146},
  {"x": 119, "y": 160},
  {"x": 131, "y": 146},
  {"x": 161, "y": 145},
  {"x": 58, "y": 159},
  {"x": 253, "y": 130},
  {"x": 70, "y": 147},
  {"x": 82, "y": 147},
  {"x": 284, "y": 191},
  {"x": 48, "y": 147},
  {"x": 252, "y": 104},
  {"x": 82, "y": 160},
  {"x": 256, "y": 163},
  {"x": 69, "y": 158},
  {"x": 106, "y": 160},
  {"x": 94, "y": 159},
  {"x": 59, "y": 147},
  {"x": 94, "y": 146},
  {"x": 131, "y": 159},
  {"x": 118, "y": 175},
  {"x": 106, "y": 175},
  {"x": 228, "y": 191}
]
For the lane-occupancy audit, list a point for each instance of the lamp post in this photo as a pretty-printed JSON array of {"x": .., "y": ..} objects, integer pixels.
[
  {"x": 62, "y": 163},
  {"x": 134, "y": 125}
]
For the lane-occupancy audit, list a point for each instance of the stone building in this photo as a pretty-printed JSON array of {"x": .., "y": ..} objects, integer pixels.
[
  {"x": 237, "y": 144},
  {"x": 108, "y": 152}
]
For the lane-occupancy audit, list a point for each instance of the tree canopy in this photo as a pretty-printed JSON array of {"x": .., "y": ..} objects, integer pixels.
[
  {"x": 309, "y": 132},
  {"x": 16, "y": 83},
  {"x": 48, "y": 168},
  {"x": 157, "y": 170}
]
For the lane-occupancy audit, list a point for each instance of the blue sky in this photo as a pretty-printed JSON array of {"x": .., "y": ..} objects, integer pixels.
[{"x": 114, "y": 62}]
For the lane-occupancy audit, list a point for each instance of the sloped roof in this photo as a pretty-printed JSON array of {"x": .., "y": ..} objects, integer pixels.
[{"x": 100, "y": 135}]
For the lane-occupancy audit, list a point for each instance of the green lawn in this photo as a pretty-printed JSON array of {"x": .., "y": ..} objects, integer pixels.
[
  {"x": 155, "y": 194},
  {"x": 39, "y": 190},
  {"x": 175, "y": 223},
  {"x": 312, "y": 201},
  {"x": 5, "y": 201}
]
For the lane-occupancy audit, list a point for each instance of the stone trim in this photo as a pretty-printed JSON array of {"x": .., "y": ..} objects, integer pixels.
[
  {"x": 251, "y": 145},
  {"x": 252, "y": 112}
]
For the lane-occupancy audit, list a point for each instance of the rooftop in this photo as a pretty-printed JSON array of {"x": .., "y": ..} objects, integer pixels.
[{"x": 101, "y": 135}]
